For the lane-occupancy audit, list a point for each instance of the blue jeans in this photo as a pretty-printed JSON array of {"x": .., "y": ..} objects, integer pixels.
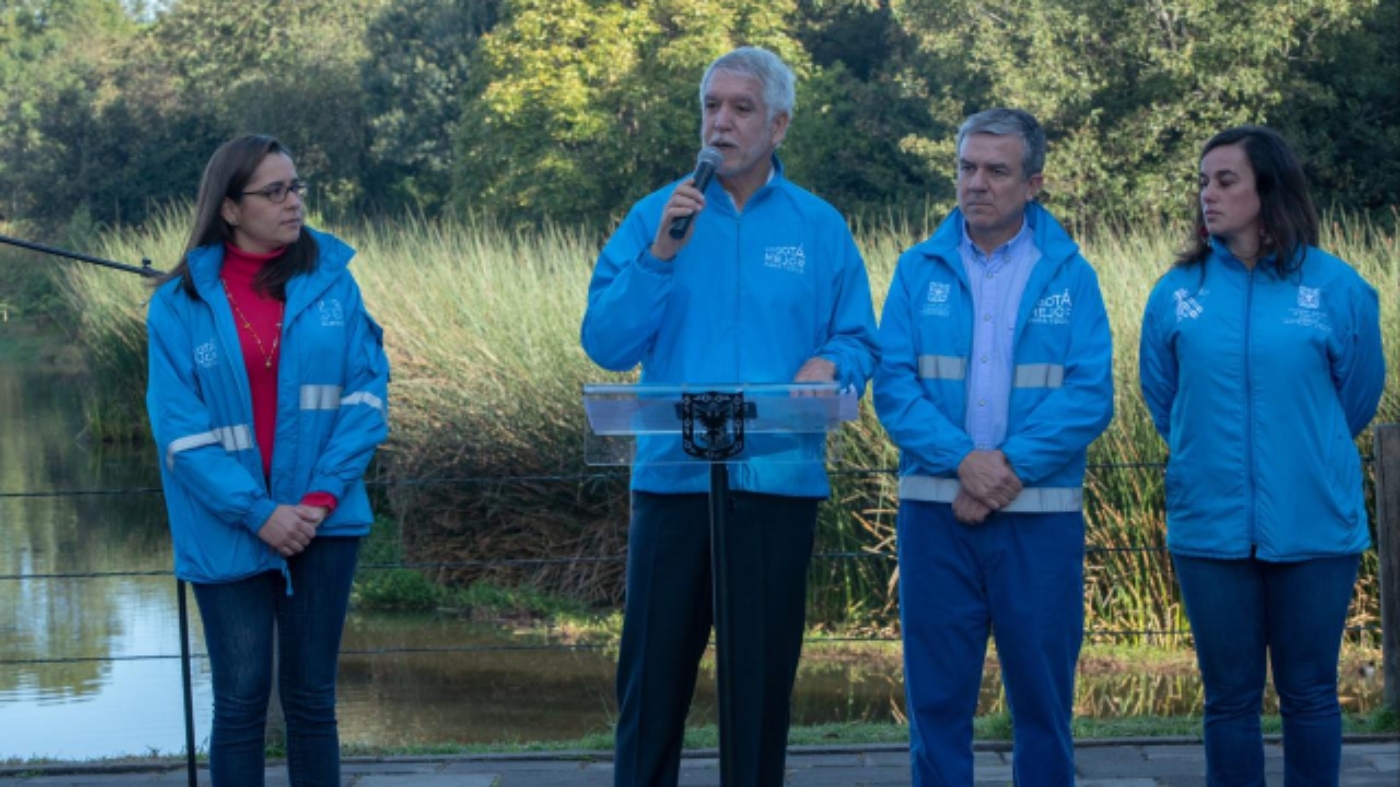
[
  {"x": 1019, "y": 578},
  {"x": 238, "y": 632},
  {"x": 1246, "y": 614}
]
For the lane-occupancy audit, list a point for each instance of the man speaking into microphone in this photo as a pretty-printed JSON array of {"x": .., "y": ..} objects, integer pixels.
[{"x": 742, "y": 278}]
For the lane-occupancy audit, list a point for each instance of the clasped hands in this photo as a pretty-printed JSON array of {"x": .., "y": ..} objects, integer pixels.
[
  {"x": 291, "y": 527},
  {"x": 987, "y": 484}
]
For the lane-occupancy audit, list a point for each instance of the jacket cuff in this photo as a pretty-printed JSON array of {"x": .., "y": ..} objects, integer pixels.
[
  {"x": 653, "y": 264},
  {"x": 258, "y": 514},
  {"x": 324, "y": 500},
  {"x": 328, "y": 485}
]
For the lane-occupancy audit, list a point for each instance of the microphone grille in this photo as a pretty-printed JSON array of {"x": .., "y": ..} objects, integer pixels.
[{"x": 709, "y": 155}]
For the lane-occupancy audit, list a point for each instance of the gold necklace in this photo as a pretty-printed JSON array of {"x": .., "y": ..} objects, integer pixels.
[{"x": 248, "y": 326}]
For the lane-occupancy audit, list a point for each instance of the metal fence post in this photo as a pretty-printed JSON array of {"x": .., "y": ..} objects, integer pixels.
[
  {"x": 1388, "y": 530},
  {"x": 188, "y": 690}
]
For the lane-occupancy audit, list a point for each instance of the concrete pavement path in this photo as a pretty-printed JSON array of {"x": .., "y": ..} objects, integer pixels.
[{"x": 1130, "y": 763}]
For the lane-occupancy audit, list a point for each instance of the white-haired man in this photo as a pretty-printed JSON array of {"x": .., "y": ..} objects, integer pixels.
[{"x": 766, "y": 286}]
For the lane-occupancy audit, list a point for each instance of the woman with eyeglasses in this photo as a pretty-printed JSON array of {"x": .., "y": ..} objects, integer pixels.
[
  {"x": 1260, "y": 362},
  {"x": 267, "y": 397}
]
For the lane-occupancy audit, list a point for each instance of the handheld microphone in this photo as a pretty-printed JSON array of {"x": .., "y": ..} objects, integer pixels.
[{"x": 705, "y": 164}]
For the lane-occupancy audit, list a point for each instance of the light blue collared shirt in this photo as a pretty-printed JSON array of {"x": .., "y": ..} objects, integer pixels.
[{"x": 998, "y": 280}]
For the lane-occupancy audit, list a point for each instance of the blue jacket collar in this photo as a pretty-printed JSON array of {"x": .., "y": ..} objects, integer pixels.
[
  {"x": 1267, "y": 263},
  {"x": 1055, "y": 245},
  {"x": 332, "y": 259},
  {"x": 716, "y": 195}
]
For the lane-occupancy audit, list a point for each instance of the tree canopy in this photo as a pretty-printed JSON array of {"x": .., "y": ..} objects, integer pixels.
[{"x": 572, "y": 109}]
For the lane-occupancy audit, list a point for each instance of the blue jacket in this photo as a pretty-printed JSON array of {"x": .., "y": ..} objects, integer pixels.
[
  {"x": 1259, "y": 384},
  {"x": 749, "y": 299},
  {"x": 1062, "y": 388},
  {"x": 332, "y": 390}
]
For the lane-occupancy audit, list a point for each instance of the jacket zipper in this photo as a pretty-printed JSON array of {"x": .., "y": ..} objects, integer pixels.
[
  {"x": 738, "y": 291},
  {"x": 1249, "y": 409}
]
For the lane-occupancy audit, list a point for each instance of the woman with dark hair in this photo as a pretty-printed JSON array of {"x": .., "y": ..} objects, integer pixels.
[
  {"x": 1260, "y": 363},
  {"x": 267, "y": 397}
]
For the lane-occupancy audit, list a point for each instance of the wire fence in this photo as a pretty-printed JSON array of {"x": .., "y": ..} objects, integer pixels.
[{"x": 1090, "y": 635}]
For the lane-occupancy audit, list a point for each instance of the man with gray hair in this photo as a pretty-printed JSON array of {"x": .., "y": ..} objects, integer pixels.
[
  {"x": 765, "y": 285},
  {"x": 996, "y": 373}
]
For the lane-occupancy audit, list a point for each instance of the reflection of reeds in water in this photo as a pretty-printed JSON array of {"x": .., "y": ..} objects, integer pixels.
[
  {"x": 482, "y": 328},
  {"x": 1108, "y": 689}
]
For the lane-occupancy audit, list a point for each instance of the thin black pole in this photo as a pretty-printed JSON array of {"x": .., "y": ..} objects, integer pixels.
[
  {"x": 144, "y": 270},
  {"x": 190, "y": 766},
  {"x": 724, "y": 642}
]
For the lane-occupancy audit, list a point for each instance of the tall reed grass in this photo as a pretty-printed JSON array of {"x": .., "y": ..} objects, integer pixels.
[{"x": 482, "y": 329}]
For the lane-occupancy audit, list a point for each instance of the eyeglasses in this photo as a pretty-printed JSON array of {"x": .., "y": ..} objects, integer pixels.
[{"x": 277, "y": 192}]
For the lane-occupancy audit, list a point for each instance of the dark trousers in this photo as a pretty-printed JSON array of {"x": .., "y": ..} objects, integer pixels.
[
  {"x": 666, "y": 625},
  {"x": 238, "y": 622}
]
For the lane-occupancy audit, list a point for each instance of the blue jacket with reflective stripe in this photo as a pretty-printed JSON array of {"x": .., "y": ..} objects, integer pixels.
[
  {"x": 749, "y": 299},
  {"x": 1259, "y": 383},
  {"x": 1062, "y": 388},
  {"x": 332, "y": 394}
]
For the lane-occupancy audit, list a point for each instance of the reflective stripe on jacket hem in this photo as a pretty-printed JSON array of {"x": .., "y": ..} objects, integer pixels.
[{"x": 1031, "y": 500}]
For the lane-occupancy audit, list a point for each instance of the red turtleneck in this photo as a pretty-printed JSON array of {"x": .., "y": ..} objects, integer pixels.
[{"x": 259, "y": 320}]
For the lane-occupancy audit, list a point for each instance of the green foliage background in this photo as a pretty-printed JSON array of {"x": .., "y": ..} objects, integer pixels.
[
  {"x": 481, "y": 326},
  {"x": 476, "y": 151},
  {"x": 568, "y": 110}
]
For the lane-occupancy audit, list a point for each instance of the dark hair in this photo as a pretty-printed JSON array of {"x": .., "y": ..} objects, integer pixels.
[
  {"x": 226, "y": 176},
  {"x": 1286, "y": 213}
]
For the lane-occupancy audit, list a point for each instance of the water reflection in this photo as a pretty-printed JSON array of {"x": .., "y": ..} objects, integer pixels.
[
  {"x": 110, "y": 700},
  {"x": 68, "y": 686}
]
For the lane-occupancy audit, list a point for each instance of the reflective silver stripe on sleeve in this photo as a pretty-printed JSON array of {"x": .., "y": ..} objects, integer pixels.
[
  {"x": 320, "y": 397},
  {"x": 1039, "y": 375},
  {"x": 235, "y": 438},
  {"x": 232, "y": 438},
  {"x": 363, "y": 397},
  {"x": 1032, "y": 500},
  {"x": 942, "y": 367},
  {"x": 188, "y": 443}
]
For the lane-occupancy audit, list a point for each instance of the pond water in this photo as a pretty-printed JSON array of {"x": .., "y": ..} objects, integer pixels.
[{"x": 89, "y": 646}]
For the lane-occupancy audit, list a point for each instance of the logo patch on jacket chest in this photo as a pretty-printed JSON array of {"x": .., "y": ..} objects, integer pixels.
[
  {"x": 1187, "y": 307},
  {"x": 1309, "y": 297},
  {"x": 1053, "y": 309},
  {"x": 331, "y": 314},
  {"x": 1309, "y": 312},
  {"x": 937, "y": 304},
  {"x": 207, "y": 354},
  {"x": 792, "y": 259}
]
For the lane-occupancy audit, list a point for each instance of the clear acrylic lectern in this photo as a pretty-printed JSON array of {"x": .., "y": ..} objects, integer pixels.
[{"x": 718, "y": 425}]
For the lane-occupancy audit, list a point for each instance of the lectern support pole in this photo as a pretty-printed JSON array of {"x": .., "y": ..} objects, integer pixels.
[
  {"x": 647, "y": 424},
  {"x": 724, "y": 640}
]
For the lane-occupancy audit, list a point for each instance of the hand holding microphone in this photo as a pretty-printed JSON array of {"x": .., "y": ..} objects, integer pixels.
[{"x": 686, "y": 201}]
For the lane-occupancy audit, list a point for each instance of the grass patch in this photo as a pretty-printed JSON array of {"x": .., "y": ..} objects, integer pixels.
[
  {"x": 383, "y": 583},
  {"x": 482, "y": 329},
  {"x": 40, "y": 345},
  {"x": 994, "y": 727}
]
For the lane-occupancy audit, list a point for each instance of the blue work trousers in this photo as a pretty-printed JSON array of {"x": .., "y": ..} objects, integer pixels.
[{"x": 1019, "y": 578}]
